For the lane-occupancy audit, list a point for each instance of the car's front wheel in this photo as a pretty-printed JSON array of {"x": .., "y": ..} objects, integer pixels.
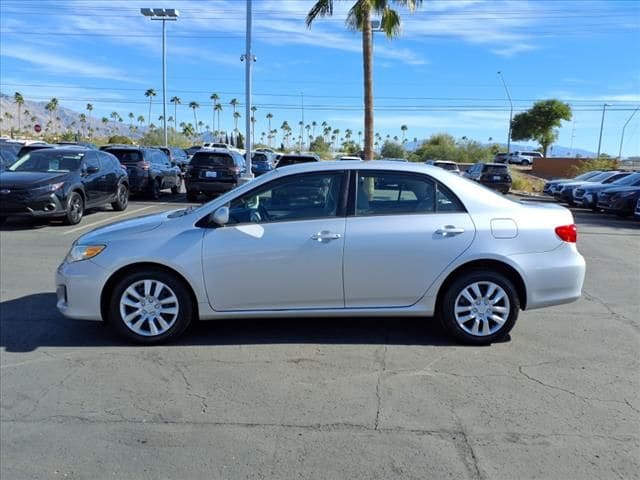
[
  {"x": 150, "y": 307},
  {"x": 75, "y": 209},
  {"x": 479, "y": 307}
]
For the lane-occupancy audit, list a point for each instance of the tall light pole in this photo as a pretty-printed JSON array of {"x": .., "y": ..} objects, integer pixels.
[
  {"x": 248, "y": 60},
  {"x": 510, "y": 111},
  {"x": 623, "y": 128},
  {"x": 604, "y": 108},
  {"x": 163, "y": 15}
]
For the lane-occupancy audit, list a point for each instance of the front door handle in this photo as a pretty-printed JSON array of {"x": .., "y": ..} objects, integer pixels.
[
  {"x": 325, "y": 235},
  {"x": 449, "y": 231}
]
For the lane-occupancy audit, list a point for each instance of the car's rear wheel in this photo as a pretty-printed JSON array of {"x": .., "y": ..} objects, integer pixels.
[
  {"x": 155, "y": 189},
  {"x": 75, "y": 209},
  {"x": 480, "y": 307},
  {"x": 150, "y": 307},
  {"x": 122, "y": 198},
  {"x": 525, "y": 163}
]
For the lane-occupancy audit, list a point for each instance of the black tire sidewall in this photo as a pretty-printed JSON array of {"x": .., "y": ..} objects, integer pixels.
[
  {"x": 184, "y": 306},
  {"x": 117, "y": 205},
  {"x": 68, "y": 218},
  {"x": 155, "y": 189},
  {"x": 447, "y": 305}
]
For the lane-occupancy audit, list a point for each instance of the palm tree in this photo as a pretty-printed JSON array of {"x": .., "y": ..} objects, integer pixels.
[
  {"x": 359, "y": 138},
  {"x": 404, "y": 129},
  {"x": 131, "y": 118},
  {"x": 253, "y": 129},
  {"x": 359, "y": 18},
  {"x": 140, "y": 119},
  {"x": 150, "y": 93},
  {"x": 308, "y": 129},
  {"x": 215, "y": 97},
  {"x": 313, "y": 129},
  {"x": 89, "y": 108},
  {"x": 218, "y": 109},
  {"x": 200, "y": 125},
  {"x": 176, "y": 102},
  {"x": 83, "y": 121},
  {"x": 234, "y": 103},
  {"x": 105, "y": 121},
  {"x": 236, "y": 116},
  {"x": 269, "y": 117},
  {"x": 194, "y": 106},
  {"x": 19, "y": 99}
]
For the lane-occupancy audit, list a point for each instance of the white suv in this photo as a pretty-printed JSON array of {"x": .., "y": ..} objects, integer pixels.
[{"x": 523, "y": 158}]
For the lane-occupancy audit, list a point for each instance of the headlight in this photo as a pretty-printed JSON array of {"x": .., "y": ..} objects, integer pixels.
[
  {"x": 83, "y": 252},
  {"x": 49, "y": 188}
]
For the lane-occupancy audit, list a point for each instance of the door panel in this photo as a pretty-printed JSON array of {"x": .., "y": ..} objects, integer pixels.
[
  {"x": 390, "y": 261},
  {"x": 275, "y": 265}
]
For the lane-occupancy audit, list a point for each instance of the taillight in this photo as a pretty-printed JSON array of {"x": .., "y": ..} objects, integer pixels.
[
  {"x": 567, "y": 233},
  {"x": 144, "y": 165},
  {"x": 235, "y": 170}
]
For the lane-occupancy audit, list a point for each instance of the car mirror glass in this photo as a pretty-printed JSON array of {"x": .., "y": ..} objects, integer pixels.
[{"x": 221, "y": 216}]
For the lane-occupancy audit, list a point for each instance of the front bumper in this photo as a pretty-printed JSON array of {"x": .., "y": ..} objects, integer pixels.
[
  {"x": 26, "y": 205},
  {"x": 78, "y": 288}
]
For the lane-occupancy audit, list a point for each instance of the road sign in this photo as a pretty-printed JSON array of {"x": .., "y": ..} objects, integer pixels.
[{"x": 37, "y": 128}]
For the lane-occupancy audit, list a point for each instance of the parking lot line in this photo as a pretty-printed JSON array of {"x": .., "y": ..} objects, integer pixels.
[{"x": 73, "y": 230}]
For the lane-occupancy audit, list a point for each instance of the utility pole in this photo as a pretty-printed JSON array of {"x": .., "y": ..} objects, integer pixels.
[
  {"x": 623, "y": 128},
  {"x": 510, "y": 111},
  {"x": 248, "y": 60},
  {"x": 604, "y": 108}
]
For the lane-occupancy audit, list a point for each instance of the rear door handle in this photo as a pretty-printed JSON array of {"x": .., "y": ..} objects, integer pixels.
[
  {"x": 325, "y": 235},
  {"x": 449, "y": 231}
]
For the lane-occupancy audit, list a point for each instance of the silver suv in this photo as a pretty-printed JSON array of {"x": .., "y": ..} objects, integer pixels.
[{"x": 523, "y": 158}]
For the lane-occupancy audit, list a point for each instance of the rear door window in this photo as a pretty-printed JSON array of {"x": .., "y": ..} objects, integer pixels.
[
  {"x": 212, "y": 159},
  {"x": 126, "y": 157}
]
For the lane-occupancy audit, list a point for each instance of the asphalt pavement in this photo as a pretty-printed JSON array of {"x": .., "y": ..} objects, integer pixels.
[{"x": 318, "y": 398}]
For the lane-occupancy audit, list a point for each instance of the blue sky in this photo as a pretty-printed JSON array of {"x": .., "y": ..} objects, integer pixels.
[{"x": 438, "y": 76}]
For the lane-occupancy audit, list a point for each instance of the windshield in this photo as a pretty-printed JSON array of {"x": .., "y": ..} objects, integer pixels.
[
  {"x": 48, "y": 161},
  {"x": 601, "y": 176},
  {"x": 587, "y": 175},
  {"x": 627, "y": 180}
]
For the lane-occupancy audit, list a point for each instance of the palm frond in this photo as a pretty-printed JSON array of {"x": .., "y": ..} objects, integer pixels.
[
  {"x": 390, "y": 22},
  {"x": 355, "y": 17},
  {"x": 321, "y": 8}
]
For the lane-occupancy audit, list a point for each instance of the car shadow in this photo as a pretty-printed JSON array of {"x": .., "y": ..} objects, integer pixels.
[
  {"x": 33, "y": 321},
  {"x": 18, "y": 223}
]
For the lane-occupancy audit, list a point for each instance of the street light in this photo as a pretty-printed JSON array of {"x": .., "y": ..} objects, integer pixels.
[
  {"x": 164, "y": 15},
  {"x": 623, "y": 128},
  {"x": 510, "y": 111},
  {"x": 604, "y": 108}
]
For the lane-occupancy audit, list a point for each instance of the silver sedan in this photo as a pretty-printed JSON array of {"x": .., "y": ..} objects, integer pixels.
[{"x": 329, "y": 239}]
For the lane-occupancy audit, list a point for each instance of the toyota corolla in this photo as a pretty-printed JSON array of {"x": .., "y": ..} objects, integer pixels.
[{"x": 318, "y": 239}]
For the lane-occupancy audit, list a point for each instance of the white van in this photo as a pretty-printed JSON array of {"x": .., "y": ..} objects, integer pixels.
[{"x": 523, "y": 158}]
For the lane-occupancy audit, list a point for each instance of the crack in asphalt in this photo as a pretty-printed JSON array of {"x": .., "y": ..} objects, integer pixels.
[
  {"x": 381, "y": 360},
  {"x": 616, "y": 316}
]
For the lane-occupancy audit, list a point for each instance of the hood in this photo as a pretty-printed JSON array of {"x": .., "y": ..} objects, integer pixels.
[
  {"x": 613, "y": 190},
  {"x": 126, "y": 227},
  {"x": 21, "y": 180}
]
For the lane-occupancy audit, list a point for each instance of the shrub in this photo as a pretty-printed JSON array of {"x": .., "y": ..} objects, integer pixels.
[{"x": 595, "y": 164}]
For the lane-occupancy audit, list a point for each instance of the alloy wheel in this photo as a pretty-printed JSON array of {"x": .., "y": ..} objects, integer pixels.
[
  {"x": 149, "y": 308},
  {"x": 482, "y": 308}
]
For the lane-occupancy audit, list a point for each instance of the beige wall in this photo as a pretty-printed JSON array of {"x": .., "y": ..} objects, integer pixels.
[{"x": 556, "y": 167}]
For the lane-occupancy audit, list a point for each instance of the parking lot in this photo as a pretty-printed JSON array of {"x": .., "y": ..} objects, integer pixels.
[{"x": 318, "y": 398}]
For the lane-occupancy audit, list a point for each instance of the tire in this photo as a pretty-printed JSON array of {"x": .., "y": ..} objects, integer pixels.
[
  {"x": 176, "y": 189},
  {"x": 155, "y": 189},
  {"x": 525, "y": 163},
  {"x": 153, "y": 326},
  {"x": 75, "y": 209},
  {"x": 122, "y": 198},
  {"x": 472, "y": 330},
  {"x": 192, "y": 196}
]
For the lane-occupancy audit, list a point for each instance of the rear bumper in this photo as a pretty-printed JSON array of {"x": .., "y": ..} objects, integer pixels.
[
  {"x": 552, "y": 278},
  {"x": 500, "y": 186},
  {"x": 211, "y": 187}
]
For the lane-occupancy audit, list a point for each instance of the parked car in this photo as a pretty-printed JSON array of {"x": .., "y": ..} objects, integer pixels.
[
  {"x": 564, "y": 192},
  {"x": 150, "y": 170},
  {"x": 501, "y": 157},
  {"x": 32, "y": 147},
  {"x": 191, "y": 150},
  {"x": 62, "y": 183},
  {"x": 7, "y": 155},
  {"x": 213, "y": 171},
  {"x": 636, "y": 212},
  {"x": 262, "y": 162},
  {"x": 428, "y": 244},
  {"x": 295, "y": 158},
  {"x": 349, "y": 157},
  {"x": 78, "y": 144},
  {"x": 523, "y": 158},
  {"x": 446, "y": 165},
  {"x": 493, "y": 175},
  {"x": 552, "y": 185},
  {"x": 177, "y": 156},
  {"x": 389, "y": 159},
  {"x": 620, "y": 200},
  {"x": 586, "y": 196}
]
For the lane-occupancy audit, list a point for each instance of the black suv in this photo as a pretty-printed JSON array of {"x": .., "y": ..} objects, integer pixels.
[
  {"x": 177, "y": 156},
  {"x": 149, "y": 169},
  {"x": 62, "y": 182},
  {"x": 293, "y": 159},
  {"x": 213, "y": 171},
  {"x": 493, "y": 175}
]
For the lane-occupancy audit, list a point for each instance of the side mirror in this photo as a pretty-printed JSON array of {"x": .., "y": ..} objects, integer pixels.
[{"x": 221, "y": 216}]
